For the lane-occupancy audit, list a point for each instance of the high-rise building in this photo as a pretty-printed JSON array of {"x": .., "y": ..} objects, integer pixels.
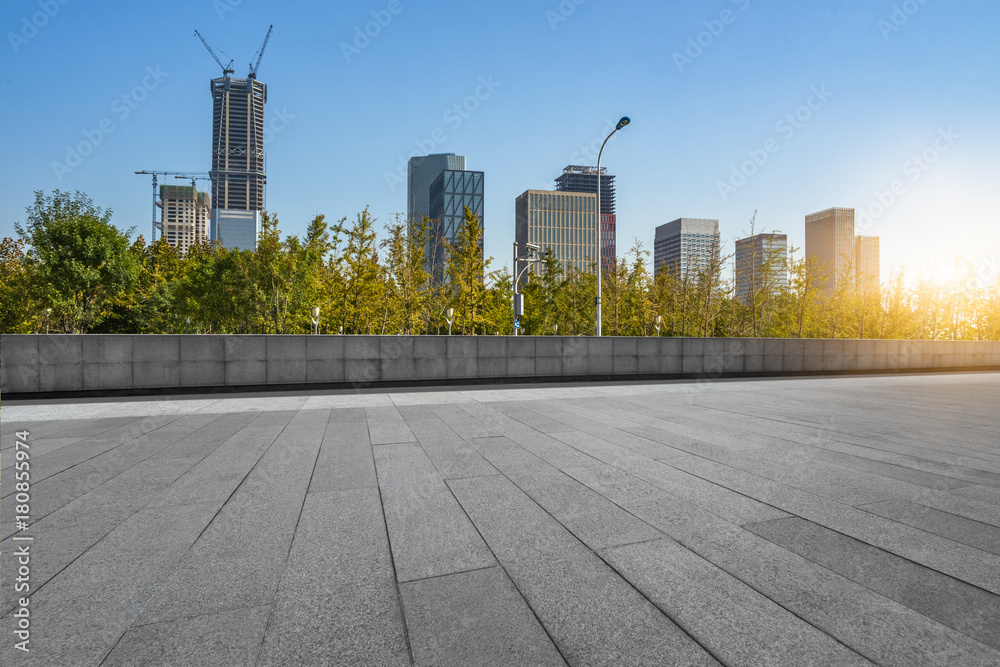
[
  {"x": 238, "y": 164},
  {"x": 686, "y": 247},
  {"x": 584, "y": 179},
  {"x": 450, "y": 193},
  {"x": 563, "y": 222},
  {"x": 761, "y": 264},
  {"x": 185, "y": 215},
  {"x": 830, "y": 243},
  {"x": 235, "y": 229},
  {"x": 421, "y": 172},
  {"x": 866, "y": 261}
]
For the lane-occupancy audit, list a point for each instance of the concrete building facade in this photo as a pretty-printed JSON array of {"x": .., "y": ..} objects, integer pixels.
[
  {"x": 563, "y": 222},
  {"x": 238, "y": 160},
  {"x": 761, "y": 264},
  {"x": 235, "y": 229},
  {"x": 830, "y": 244},
  {"x": 866, "y": 261},
  {"x": 686, "y": 246},
  {"x": 185, "y": 217},
  {"x": 577, "y": 178}
]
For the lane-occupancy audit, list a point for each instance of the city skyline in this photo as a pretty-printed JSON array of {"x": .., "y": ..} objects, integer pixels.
[{"x": 755, "y": 133}]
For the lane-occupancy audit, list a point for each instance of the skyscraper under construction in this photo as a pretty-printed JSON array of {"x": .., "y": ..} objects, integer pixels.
[
  {"x": 584, "y": 179},
  {"x": 238, "y": 143}
]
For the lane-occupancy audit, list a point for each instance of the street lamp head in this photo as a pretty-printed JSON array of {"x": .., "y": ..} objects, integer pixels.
[
  {"x": 315, "y": 312},
  {"x": 625, "y": 120},
  {"x": 449, "y": 314},
  {"x": 657, "y": 321}
]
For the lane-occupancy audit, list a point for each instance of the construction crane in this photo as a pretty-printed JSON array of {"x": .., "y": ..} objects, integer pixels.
[
  {"x": 260, "y": 54},
  {"x": 193, "y": 175},
  {"x": 194, "y": 178},
  {"x": 226, "y": 69}
]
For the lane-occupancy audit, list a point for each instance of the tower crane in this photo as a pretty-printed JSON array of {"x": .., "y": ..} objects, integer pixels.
[
  {"x": 260, "y": 54},
  {"x": 226, "y": 69}
]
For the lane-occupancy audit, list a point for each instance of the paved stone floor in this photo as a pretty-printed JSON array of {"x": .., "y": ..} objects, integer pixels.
[{"x": 826, "y": 521}]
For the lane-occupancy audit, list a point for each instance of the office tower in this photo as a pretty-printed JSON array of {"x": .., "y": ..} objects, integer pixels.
[
  {"x": 866, "y": 261},
  {"x": 235, "y": 229},
  {"x": 563, "y": 222},
  {"x": 421, "y": 172},
  {"x": 761, "y": 264},
  {"x": 584, "y": 179},
  {"x": 450, "y": 193},
  {"x": 686, "y": 247},
  {"x": 830, "y": 244},
  {"x": 238, "y": 143},
  {"x": 185, "y": 215}
]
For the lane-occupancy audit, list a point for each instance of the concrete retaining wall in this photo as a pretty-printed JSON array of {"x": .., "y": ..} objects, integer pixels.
[{"x": 50, "y": 364}]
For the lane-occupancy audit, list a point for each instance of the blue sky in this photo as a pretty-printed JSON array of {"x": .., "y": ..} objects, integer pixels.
[{"x": 785, "y": 108}]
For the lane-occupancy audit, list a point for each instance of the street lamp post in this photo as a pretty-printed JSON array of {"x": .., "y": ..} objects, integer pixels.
[
  {"x": 625, "y": 120},
  {"x": 449, "y": 315},
  {"x": 314, "y": 315},
  {"x": 518, "y": 305}
]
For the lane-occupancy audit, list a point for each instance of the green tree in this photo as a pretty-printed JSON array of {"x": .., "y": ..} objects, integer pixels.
[{"x": 80, "y": 261}]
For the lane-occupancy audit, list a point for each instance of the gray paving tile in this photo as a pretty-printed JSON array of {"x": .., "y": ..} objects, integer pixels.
[
  {"x": 971, "y": 565},
  {"x": 541, "y": 445},
  {"x": 474, "y": 618},
  {"x": 894, "y": 471},
  {"x": 591, "y": 613},
  {"x": 986, "y": 494},
  {"x": 227, "y": 638},
  {"x": 593, "y": 519},
  {"x": 596, "y": 430},
  {"x": 238, "y": 560},
  {"x": 450, "y": 454},
  {"x": 118, "y": 576},
  {"x": 429, "y": 532},
  {"x": 386, "y": 426},
  {"x": 973, "y": 533},
  {"x": 880, "y": 629},
  {"x": 337, "y": 602},
  {"x": 968, "y": 609},
  {"x": 463, "y": 423},
  {"x": 345, "y": 457},
  {"x": 523, "y": 413},
  {"x": 739, "y": 625}
]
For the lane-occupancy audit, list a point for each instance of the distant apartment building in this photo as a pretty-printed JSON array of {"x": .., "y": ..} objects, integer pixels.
[
  {"x": 866, "y": 259},
  {"x": 450, "y": 194},
  {"x": 185, "y": 216},
  {"x": 761, "y": 264},
  {"x": 235, "y": 229},
  {"x": 563, "y": 222},
  {"x": 584, "y": 179},
  {"x": 686, "y": 247},
  {"x": 840, "y": 255},
  {"x": 421, "y": 172}
]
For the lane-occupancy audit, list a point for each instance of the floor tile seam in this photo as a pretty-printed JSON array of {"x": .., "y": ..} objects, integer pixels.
[
  {"x": 881, "y": 594},
  {"x": 106, "y": 451},
  {"x": 180, "y": 558},
  {"x": 291, "y": 541},
  {"x": 503, "y": 568},
  {"x": 824, "y": 525},
  {"x": 981, "y": 523},
  {"x": 392, "y": 555},
  {"x": 930, "y": 463},
  {"x": 442, "y": 575},
  {"x": 215, "y": 612},
  {"x": 749, "y": 586}
]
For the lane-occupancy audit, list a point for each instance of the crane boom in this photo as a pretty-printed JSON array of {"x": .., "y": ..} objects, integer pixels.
[
  {"x": 260, "y": 53},
  {"x": 226, "y": 69}
]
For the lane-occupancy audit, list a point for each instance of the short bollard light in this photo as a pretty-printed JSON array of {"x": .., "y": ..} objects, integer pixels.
[
  {"x": 449, "y": 315},
  {"x": 657, "y": 322},
  {"x": 314, "y": 312}
]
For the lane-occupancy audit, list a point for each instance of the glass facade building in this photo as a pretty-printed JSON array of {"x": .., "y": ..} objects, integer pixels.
[
  {"x": 563, "y": 222},
  {"x": 450, "y": 194},
  {"x": 866, "y": 262},
  {"x": 761, "y": 264},
  {"x": 577, "y": 178},
  {"x": 421, "y": 172},
  {"x": 686, "y": 246},
  {"x": 235, "y": 229}
]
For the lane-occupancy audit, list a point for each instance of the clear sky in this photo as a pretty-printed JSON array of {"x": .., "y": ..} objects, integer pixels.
[{"x": 833, "y": 102}]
